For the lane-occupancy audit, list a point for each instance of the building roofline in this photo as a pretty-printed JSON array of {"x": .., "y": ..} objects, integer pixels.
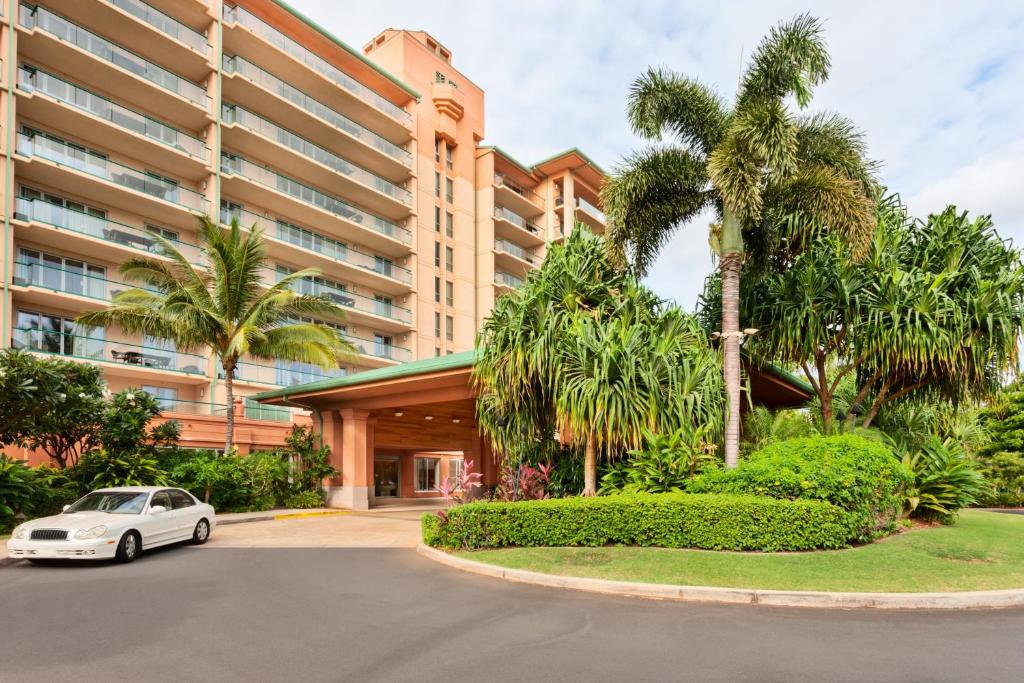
[
  {"x": 508, "y": 157},
  {"x": 343, "y": 45},
  {"x": 572, "y": 150}
]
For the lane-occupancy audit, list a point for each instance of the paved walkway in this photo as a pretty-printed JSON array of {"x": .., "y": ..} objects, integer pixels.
[{"x": 381, "y": 528}]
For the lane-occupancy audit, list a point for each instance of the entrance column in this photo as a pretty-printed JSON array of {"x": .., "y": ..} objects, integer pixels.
[{"x": 356, "y": 459}]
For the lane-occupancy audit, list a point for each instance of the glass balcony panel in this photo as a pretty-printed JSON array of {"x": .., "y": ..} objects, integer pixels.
[
  {"x": 164, "y": 24},
  {"x": 59, "y": 27},
  {"x": 70, "y": 278},
  {"x": 111, "y": 171},
  {"x": 315, "y": 108},
  {"x": 98, "y": 348},
  {"x": 508, "y": 279},
  {"x": 517, "y": 220},
  {"x": 235, "y": 14},
  {"x": 181, "y": 406},
  {"x": 263, "y": 127},
  {"x": 515, "y": 250},
  {"x": 275, "y": 181},
  {"x": 59, "y": 89},
  {"x": 39, "y": 211},
  {"x": 345, "y": 298},
  {"x": 590, "y": 208}
]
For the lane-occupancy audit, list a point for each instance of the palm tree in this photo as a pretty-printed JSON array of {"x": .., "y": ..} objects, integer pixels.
[
  {"x": 222, "y": 306},
  {"x": 771, "y": 179}
]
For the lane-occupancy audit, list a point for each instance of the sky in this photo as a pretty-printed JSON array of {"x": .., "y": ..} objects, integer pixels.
[{"x": 937, "y": 87}]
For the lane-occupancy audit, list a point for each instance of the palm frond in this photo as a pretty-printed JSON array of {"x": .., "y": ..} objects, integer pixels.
[
  {"x": 789, "y": 61},
  {"x": 661, "y": 100}
]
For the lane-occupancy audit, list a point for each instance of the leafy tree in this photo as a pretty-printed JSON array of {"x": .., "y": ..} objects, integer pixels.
[
  {"x": 771, "y": 179},
  {"x": 71, "y": 424},
  {"x": 16, "y": 491},
  {"x": 29, "y": 388},
  {"x": 1002, "y": 458},
  {"x": 582, "y": 349},
  {"x": 222, "y": 306},
  {"x": 932, "y": 313},
  {"x": 311, "y": 463}
]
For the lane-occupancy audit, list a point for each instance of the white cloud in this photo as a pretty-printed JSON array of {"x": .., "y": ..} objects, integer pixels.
[{"x": 935, "y": 85}]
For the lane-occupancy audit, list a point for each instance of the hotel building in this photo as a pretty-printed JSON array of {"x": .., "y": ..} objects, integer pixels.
[{"x": 124, "y": 118}]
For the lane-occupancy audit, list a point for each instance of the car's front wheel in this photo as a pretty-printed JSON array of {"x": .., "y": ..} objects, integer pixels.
[
  {"x": 129, "y": 547},
  {"x": 201, "y": 533}
]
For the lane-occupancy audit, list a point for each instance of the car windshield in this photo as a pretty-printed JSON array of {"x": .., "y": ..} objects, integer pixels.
[{"x": 114, "y": 502}]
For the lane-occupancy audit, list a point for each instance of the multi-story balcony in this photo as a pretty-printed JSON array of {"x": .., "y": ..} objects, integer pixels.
[
  {"x": 510, "y": 225},
  {"x": 513, "y": 258},
  {"x": 97, "y": 178},
  {"x": 518, "y": 198},
  {"x": 264, "y": 186},
  {"x": 70, "y": 287},
  {"x": 299, "y": 245},
  {"x": 82, "y": 231},
  {"x": 145, "y": 30},
  {"x": 505, "y": 280},
  {"x": 590, "y": 214},
  {"x": 175, "y": 407},
  {"x": 259, "y": 90},
  {"x": 74, "y": 110},
  {"x": 249, "y": 133},
  {"x": 282, "y": 373},
  {"x": 360, "y": 308},
  {"x": 300, "y": 65},
  {"x": 121, "y": 358},
  {"x": 86, "y": 57},
  {"x": 373, "y": 351}
]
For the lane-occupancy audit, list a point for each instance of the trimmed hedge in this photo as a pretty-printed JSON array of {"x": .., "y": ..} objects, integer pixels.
[
  {"x": 859, "y": 475},
  {"x": 669, "y": 520}
]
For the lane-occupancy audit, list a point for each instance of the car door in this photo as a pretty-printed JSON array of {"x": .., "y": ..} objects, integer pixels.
[
  {"x": 159, "y": 528},
  {"x": 186, "y": 514}
]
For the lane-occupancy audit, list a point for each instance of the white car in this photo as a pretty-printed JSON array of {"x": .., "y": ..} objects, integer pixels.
[{"x": 114, "y": 523}]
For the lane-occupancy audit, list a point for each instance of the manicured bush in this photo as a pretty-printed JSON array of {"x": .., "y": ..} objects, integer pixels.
[
  {"x": 861, "y": 476},
  {"x": 670, "y": 520},
  {"x": 304, "y": 500}
]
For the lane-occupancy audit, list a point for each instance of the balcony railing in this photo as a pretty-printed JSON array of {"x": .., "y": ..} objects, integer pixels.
[
  {"x": 100, "y": 167},
  {"x": 283, "y": 373},
  {"x": 165, "y": 24},
  {"x": 304, "y": 193},
  {"x": 319, "y": 244},
  {"x": 31, "y": 79},
  {"x": 235, "y": 14},
  {"x": 502, "y": 213},
  {"x": 100, "y": 349},
  {"x": 59, "y": 27},
  {"x": 345, "y": 298},
  {"x": 39, "y": 211},
  {"x": 589, "y": 208},
  {"x": 69, "y": 280},
  {"x": 508, "y": 279},
  {"x": 257, "y": 411},
  {"x": 233, "y": 113},
  {"x": 502, "y": 181},
  {"x": 182, "y": 407},
  {"x": 517, "y": 251},
  {"x": 315, "y": 108},
  {"x": 372, "y": 347}
]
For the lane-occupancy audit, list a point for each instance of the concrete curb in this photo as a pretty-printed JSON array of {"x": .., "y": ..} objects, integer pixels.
[{"x": 776, "y": 598}]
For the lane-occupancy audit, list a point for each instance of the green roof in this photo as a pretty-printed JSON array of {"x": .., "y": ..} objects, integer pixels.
[
  {"x": 571, "y": 150},
  {"x": 454, "y": 361},
  {"x": 344, "y": 46}
]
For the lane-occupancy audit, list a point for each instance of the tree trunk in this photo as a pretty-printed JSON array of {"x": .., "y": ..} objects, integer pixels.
[
  {"x": 731, "y": 342},
  {"x": 590, "y": 468},
  {"x": 229, "y": 388}
]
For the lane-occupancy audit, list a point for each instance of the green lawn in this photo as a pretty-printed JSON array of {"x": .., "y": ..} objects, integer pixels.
[{"x": 983, "y": 551}]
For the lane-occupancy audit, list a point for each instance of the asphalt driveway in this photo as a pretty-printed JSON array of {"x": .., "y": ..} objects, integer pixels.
[{"x": 360, "y": 614}]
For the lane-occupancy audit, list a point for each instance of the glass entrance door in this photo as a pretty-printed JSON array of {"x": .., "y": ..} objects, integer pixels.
[{"x": 387, "y": 478}]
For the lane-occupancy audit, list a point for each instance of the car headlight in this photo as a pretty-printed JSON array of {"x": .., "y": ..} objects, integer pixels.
[
  {"x": 94, "y": 532},
  {"x": 19, "y": 532}
]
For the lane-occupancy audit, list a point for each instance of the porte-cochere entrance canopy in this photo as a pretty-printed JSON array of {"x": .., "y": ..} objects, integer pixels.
[{"x": 397, "y": 432}]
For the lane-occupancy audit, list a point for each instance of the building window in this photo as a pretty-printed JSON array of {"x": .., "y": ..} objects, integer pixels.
[
  {"x": 437, "y": 254},
  {"x": 449, "y": 293},
  {"x": 449, "y": 328},
  {"x": 437, "y": 325},
  {"x": 60, "y": 274},
  {"x": 437, "y": 290},
  {"x": 54, "y": 334},
  {"x": 437, "y": 150},
  {"x": 437, "y": 219},
  {"x": 427, "y": 471},
  {"x": 455, "y": 468},
  {"x": 383, "y": 346},
  {"x": 449, "y": 190},
  {"x": 449, "y": 224},
  {"x": 165, "y": 396},
  {"x": 382, "y": 305},
  {"x": 449, "y": 259},
  {"x": 437, "y": 351},
  {"x": 437, "y": 183},
  {"x": 449, "y": 156}
]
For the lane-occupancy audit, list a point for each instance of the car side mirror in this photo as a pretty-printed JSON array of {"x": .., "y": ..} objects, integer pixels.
[
  {"x": 157, "y": 509},
  {"x": 65, "y": 508}
]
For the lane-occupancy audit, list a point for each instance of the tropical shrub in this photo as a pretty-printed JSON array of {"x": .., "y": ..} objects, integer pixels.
[
  {"x": 101, "y": 469},
  {"x": 1002, "y": 457},
  {"x": 945, "y": 481},
  {"x": 304, "y": 500},
  {"x": 671, "y": 520},
  {"x": 233, "y": 483},
  {"x": 522, "y": 482},
  {"x": 310, "y": 463},
  {"x": 16, "y": 491},
  {"x": 665, "y": 464},
  {"x": 764, "y": 427},
  {"x": 858, "y": 475}
]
